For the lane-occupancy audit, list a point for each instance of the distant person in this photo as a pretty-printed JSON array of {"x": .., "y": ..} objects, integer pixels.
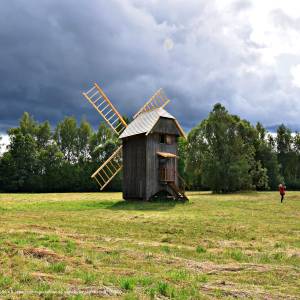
[{"x": 282, "y": 189}]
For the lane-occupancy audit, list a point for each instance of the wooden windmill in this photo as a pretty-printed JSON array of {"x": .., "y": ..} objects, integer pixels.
[{"x": 148, "y": 154}]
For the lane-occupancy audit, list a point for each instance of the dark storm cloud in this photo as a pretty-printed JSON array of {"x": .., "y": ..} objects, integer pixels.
[{"x": 52, "y": 50}]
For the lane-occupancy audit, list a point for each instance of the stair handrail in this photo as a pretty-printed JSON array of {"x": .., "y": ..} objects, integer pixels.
[{"x": 182, "y": 182}]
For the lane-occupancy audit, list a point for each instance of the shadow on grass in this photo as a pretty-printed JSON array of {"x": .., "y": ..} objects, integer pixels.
[
  {"x": 157, "y": 205},
  {"x": 63, "y": 206}
]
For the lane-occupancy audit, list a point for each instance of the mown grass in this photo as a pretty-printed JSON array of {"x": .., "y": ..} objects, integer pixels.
[{"x": 93, "y": 245}]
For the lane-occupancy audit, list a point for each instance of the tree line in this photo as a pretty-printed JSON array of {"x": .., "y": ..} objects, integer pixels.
[
  {"x": 226, "y": 154},
  {"x": 223, "y": 153},
  {"x": 38, "y": 160}
]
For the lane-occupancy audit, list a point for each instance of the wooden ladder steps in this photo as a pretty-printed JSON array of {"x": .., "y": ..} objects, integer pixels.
[
  {"x": 158, "y": 100},
  {"x": 109, "y": 169},
  {"x": 105, "y": 108}
]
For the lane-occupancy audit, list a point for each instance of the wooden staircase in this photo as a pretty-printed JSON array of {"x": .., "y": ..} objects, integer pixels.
[
  {"x": 179, "y": 193},
  {"x": 105, "y": 108},
  {"x": 109, "y": 169}
]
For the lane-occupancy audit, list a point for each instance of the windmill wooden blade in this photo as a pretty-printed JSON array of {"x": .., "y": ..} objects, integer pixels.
[
  {"x": 105, "y": 108},
  {"x": 158, "y": 100},
  {"x": 109, "y": 169}
]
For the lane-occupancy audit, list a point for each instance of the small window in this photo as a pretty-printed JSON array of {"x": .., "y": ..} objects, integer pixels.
[
  {"x": 162, "y": 138},
  {"x": 166, "y": 139},
  {"x": 169, "y": 140}
]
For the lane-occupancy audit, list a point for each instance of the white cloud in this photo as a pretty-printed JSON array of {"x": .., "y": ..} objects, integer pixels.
[
  {"x": 236, "y": 52},
  {"x": 295, "y": 71},
  {"x": 4, "y": 142}
]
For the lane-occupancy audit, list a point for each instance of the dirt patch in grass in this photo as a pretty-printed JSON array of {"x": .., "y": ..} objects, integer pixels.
[
  {"x": 228, "y": 289},
  {"x": 211, "y": 268},
  {"x": 42, "y": 253},
  {"x": 292, "y": 252},
  {"x": 41, "y": 227},
  {"x": 103, "y": 291},
  {"x": 43, "y": 275}
]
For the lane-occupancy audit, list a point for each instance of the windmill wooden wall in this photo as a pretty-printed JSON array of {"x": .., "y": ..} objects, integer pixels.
[
  {"x": 141, "y": 162},
  {"x": 134, "y": 167}
]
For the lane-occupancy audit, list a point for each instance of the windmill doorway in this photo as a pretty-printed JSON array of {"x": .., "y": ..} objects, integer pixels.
[{"x": 167, "y": 167}]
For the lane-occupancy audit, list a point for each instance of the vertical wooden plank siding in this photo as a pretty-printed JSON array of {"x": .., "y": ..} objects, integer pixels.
[
  {"x": 134, "y": 167},
  {"x": 141, "y": 162}
]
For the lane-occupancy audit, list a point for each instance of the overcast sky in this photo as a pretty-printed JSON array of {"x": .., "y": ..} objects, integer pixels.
[{"x": 244, "y": 54}]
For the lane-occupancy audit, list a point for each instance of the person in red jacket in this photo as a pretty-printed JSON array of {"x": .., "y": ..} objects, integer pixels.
[{"x": 282, "y": 189}]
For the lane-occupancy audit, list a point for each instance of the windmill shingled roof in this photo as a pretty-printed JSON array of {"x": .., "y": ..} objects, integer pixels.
[{"x": 144, "y": 122}]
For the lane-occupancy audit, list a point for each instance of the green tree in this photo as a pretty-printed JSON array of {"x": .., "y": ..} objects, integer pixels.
[
  {"x": 287, "y": 156},
  {"x": 83, "y": 141},
  {"x": 43, "y": 134},
  {"x": 266, "y": 158},
  {"x": 296, "y": 143},
  {"x": 261, "y": 131},
  {"x": 225, "y": 149},
  {"x": 220, "y": 151},
  {"x": 28, "y": 125},
  {"x": 283, "y": 139},
  {"x": 65, "y": 135},
  {"x": 19, "y": 165}
]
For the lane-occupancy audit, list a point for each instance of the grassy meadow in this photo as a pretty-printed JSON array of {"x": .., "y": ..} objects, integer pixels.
[{"x": 93, "y": 245}]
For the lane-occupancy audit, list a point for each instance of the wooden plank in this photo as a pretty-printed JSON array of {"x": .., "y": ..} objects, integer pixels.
[
  {"x": 111, "y": 117},
  {"x": 117, "y": 152},
  {"x": 106, "y": 114},
  {"x": 94, "y": 95},
  {"x": 134, "y": 164},
  {"x": 95, "y": 101},
  {"x": 102, "y": 170},
  {"x": 159, "y": 97},
  {"x": 146, "y": 104},
  {"x": 115, "y": 121},
  {"x": 111, "y": 178},
  {"x": 101, "y": 104},
  {"x": 99, "y": 111},
  {"x": 98, "y": 181},
  {"x": 108, "y": 101},
  {"x": 90, "y": 90},
  {"x": 113, "y": 166},
  {"x": 109, "y": 168},
  {"x": 101, "y": 177}
]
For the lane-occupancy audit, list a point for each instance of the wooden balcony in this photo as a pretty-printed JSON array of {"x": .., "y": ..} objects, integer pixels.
[{"x": 167, "y": 174}]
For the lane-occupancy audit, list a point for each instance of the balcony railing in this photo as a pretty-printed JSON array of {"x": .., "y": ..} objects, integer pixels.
[{"x": 167, "y": 174}]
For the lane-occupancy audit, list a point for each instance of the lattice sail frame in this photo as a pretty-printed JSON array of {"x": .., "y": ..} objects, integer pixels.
[
  {"x": 109, "y": 169},
  {"x": 158, "y": 100},
  {"x": 105, "y": 108},
  {"x": 113, "y": 165}
]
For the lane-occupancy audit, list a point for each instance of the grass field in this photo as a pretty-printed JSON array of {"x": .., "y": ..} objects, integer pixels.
[{"x": 87, "y": 246}]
